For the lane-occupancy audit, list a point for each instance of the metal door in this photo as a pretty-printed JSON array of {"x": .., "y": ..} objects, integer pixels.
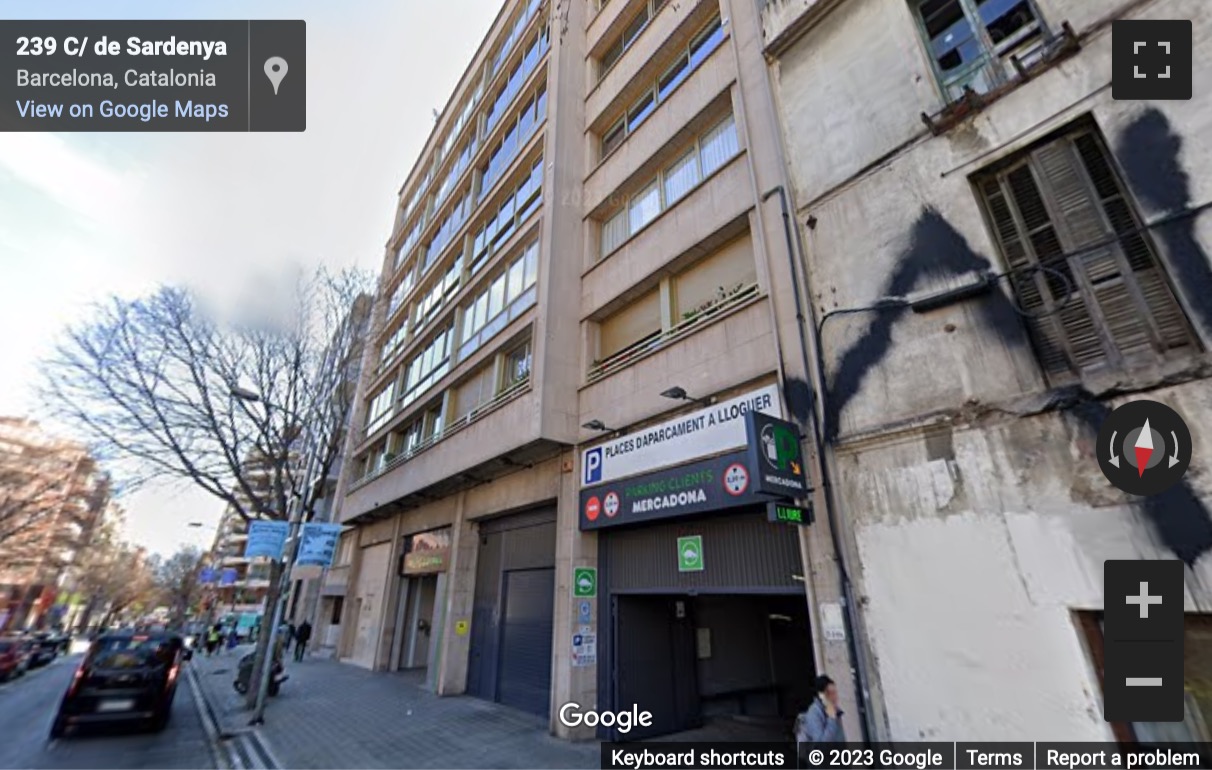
[
  {"x": 525, "y": 664},
  {"x": 653, "y": 664}
]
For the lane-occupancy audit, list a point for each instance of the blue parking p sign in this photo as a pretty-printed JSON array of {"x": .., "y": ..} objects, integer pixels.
[{"x": 593, "y": 466}]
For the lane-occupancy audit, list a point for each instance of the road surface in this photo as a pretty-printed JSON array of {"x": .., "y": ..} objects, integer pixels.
[{"x": 28, "y": 705}]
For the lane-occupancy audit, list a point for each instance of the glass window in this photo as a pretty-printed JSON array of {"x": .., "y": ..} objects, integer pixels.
[
  {"x": 613, "y": 137},
  {"x": 719, "y": 145},
  {"x": 496, "y": 297},
  {"x": 517, "y": 277},
  {"x": 673, "y": 76},
  {"x": 614, "y": 232},
  {"x": 636, "y": 26},
  {"x": 706, "y": 42},
  {"x": 644, "y": 207},
  {"x": 681, "y": 177},
  {"x": 517, "y": 366},
  {"x": 532, "y": 264},
  {"x": 640, "y": 111}
]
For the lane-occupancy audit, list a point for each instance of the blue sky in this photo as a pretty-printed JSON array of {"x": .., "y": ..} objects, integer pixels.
[{"x": 83, "y": 216}]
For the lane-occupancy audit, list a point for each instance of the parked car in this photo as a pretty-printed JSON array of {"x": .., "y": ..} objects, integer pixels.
[
  {"x": 43, "y": 649},
  {"x": 124, "y": 678},
  {"x": 14, "y": 659},
  {"x": 63, "y": 640}
]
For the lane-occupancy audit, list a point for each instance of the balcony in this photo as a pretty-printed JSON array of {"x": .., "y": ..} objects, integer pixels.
[{"x": 494, "y": 439}]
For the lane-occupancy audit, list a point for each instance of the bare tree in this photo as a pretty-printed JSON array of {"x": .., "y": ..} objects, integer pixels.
[
  {"x": 32, "y": 490},
  {"x": 177, "y": 581},
  {"x": 114, "y": 577},
  {"x": 177, "y": 392}
]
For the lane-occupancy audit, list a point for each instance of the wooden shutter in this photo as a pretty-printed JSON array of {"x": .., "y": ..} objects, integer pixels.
[{"x": 1062, "y": 209}]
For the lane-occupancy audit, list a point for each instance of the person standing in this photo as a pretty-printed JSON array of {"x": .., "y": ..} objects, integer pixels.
[
  {"x": 233, "y": 638},
  {"x": 287, "y": 634},
  {"x": 822, "y": 722},
  {"x": 302, "y": 637},
  {"x": 212, "y": 640}
]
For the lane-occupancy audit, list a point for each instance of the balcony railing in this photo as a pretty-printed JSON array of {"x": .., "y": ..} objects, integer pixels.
[
  {"x": 689, "y": 324},
  {"x": 505, "y": 396}
]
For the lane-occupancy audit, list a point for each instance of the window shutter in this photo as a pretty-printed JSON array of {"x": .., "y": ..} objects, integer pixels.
[{"x": 1063, "y": 209}]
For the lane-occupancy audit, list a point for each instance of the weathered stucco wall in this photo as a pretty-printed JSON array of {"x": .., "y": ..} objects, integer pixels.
[{"x": 978, "y": 515}]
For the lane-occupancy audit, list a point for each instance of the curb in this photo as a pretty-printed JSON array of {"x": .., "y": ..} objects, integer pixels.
[{"x": 240, "y": 750}]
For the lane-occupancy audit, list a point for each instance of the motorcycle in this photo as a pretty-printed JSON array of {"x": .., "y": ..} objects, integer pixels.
[{"x": 277, "y": 675}]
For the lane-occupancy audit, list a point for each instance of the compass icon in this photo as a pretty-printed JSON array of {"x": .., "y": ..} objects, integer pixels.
[{"x": 1144, "y": 448}]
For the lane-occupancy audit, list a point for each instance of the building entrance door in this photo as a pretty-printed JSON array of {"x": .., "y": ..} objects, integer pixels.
[{"x": 654, "y": 663}]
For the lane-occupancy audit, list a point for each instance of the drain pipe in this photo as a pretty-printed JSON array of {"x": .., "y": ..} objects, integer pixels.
[{"x": 850, "y": 606}]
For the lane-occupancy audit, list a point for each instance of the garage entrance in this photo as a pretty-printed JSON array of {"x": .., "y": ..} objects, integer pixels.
[
  {"x": 730, "y": 642},
  {"x": 512, "y": 620}
]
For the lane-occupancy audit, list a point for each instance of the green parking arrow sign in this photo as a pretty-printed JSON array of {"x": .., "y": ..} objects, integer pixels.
[
  {"x": 690, "y": 553},
  {"x": 585, "y": 582}
]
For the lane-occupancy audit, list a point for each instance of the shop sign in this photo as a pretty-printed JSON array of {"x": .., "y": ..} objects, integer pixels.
[
  {"x": 785, "y": 513},
  {"x": 707, "y": 485},
  {"x": 426, "y": 553},
  {"x": 425, "y": 562},
  {"x": 776, "y": 456},
  {"x": 690, "y": 553},
  {"x": 717, "y": 428},
  {"x": 584, "y": 650},
  {"x": 585, "y": 582}
]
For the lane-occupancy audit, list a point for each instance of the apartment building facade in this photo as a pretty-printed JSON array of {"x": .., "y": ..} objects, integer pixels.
[
  {"x": 53, "y": 497},
  {"x": 587, "y": 288},
  {"x": 933, "y": 142}
]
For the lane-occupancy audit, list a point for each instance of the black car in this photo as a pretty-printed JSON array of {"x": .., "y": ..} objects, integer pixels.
[
  {"x": 43, "y": 649},
  {"x": 124, "y": 678}
]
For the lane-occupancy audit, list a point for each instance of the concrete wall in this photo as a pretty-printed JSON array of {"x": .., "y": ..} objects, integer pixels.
[{"x": 975, "y": 506}]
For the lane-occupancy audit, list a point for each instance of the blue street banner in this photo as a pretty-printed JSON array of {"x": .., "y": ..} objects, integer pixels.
[
  {"x": 317, "y": 544},
  {"x": 266, "y": 539},
  {"x": 229, "y": 577},
  {"x": 206, "y": 576}
]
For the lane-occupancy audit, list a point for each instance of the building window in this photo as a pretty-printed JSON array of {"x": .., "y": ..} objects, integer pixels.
[
  {"x": 516, "y": 369},
  {"x": 393, "y": 344},
  {"x": 637, "y": 323},
  {"x": 338, "y": 606},
  {"x": 968, "y": 40},
  {"x": 380, "y": 407},
  {"x": 475, "y": 391},
  {"x": 1086, "y": 275},
  {"x": 629, "y": 35},
  {"x": 709, "y": 153},
  {"x": 408, "y": 244},
  {"x": 401, "y": 291},
  {"x": 700, "y": 47},
  {"x": 521, "y": 72},
  {"x": 512, "y": 214},
  {"x": 439, "y": 294},
  {"x": 505, "y": 299},
  {"x": 456, "y": 171},
  {"x": 447, "y": 231},
  {"x": 722, "y": 280},
  {"x": 427, "y": 367},
  {"x": 515, "y": 34},
  {"x": 530, "y": 117},
  {"x": 714, "y": 280}
]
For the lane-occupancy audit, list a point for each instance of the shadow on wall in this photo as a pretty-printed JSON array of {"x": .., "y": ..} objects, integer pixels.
[
  {"x": 936, "y": 251},
  {"x": 1149, "y": 151}
]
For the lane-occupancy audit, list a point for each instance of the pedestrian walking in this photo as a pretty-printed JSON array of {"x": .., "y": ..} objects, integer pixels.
[
  {"x": 233, "y": 639},
  {"x": 822, "y": 722},
  {"x": 212, "y": 640},
  {"x": 302, "y": 637},
  {"x": 286, "y": 632}
]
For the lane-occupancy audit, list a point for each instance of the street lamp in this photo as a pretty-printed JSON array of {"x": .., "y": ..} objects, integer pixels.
[
  {"x": 678, "y": 393},
  {"x": 287, "y": 559}
]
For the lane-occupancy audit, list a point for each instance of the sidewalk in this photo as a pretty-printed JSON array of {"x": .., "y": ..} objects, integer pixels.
[{"x": 335, "y": 715}]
